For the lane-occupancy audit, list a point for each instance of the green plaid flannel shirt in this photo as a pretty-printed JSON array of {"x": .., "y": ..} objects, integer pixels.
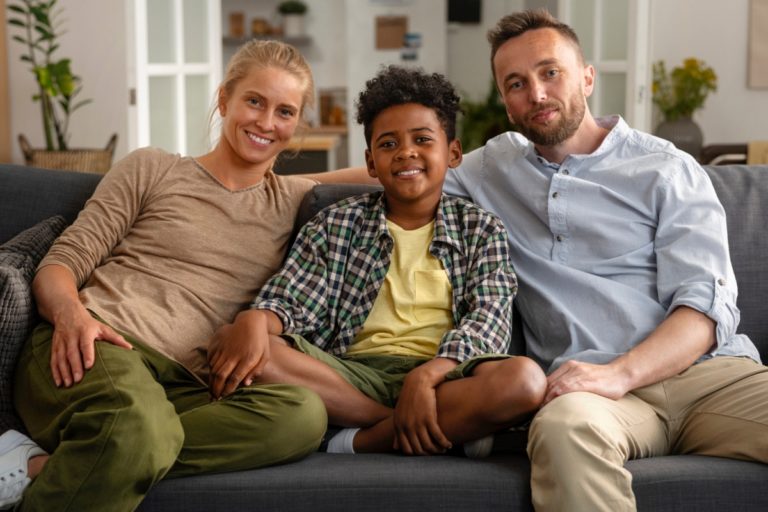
[{"x": 338, "y": 263}]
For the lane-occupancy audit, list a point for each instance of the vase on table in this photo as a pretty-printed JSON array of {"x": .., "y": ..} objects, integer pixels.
[{"x": 684, "y": 133}]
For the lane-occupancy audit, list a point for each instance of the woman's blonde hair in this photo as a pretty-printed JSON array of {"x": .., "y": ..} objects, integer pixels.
[{"x": 269, "y": 54}]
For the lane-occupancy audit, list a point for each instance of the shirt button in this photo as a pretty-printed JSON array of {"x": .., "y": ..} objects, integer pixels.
[
  {"x": 721, "y": 281},
  {"x": 559, "y": 238},
  {"x": 554, "y": 195},
  {"x": 566, "y": 172}
]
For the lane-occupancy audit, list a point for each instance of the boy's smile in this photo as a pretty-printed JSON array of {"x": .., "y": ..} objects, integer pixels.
[{"x": 410, "y": 154}]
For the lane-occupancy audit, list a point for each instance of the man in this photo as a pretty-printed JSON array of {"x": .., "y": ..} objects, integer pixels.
[{"x": 626, "y": 291}]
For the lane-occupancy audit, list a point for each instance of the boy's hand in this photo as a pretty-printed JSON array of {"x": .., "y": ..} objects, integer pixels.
[
  {"x": 417, "y": 431},
  {"x": 238, "y": 351}
]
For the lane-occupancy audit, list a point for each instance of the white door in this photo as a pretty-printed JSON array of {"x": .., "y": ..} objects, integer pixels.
[
  {"x": 615, "y": 37},
  {"x": 178, "y": 67}
]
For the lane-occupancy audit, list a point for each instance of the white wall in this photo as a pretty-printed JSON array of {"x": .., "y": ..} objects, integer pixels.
[
  {"x": 427, "y": 17},
  {"x": 343, "y": 54},
  {"x": 469, "y": 53},
  {"x": 95, "y": 42},
  {"x": 715, "y": 31}
]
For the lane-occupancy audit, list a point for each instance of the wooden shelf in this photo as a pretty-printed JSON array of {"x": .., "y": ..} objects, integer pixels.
[{"x": 295, "y": 41}]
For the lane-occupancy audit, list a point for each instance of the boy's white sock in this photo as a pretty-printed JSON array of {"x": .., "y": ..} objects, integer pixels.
[
  {"x": 479, "y": 448},
  {"x": 342, "y": 441}
]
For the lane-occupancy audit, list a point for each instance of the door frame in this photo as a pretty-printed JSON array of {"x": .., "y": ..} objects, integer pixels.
[
  {"x": 637, "y": 94},
  {"x": 142, "y": 70}
]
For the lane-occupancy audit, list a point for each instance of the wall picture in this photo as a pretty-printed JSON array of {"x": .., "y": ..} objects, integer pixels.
[{"x": 758, "y": 45}]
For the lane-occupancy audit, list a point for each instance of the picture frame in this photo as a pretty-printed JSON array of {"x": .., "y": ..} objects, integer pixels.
[{"x": 757, "y": 70}]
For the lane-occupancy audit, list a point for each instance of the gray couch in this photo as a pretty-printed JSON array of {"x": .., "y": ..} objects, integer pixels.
[{"x": 392, "y": 482}]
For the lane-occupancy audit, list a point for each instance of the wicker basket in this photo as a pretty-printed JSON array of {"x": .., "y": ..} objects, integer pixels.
[{"x": 82, "y": 160}]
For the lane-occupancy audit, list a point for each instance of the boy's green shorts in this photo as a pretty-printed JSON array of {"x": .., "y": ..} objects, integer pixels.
[{"x": 380, "y": 377}]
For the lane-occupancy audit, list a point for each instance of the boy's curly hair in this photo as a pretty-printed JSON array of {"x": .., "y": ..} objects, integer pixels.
[{"x": 396, "y": 85}]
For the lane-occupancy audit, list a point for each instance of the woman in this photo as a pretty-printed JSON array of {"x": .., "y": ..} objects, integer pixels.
[{"x": 168, "y": 249}]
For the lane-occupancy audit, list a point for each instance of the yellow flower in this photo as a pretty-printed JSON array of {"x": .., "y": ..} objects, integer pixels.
[{"x": 684, "y": 90}]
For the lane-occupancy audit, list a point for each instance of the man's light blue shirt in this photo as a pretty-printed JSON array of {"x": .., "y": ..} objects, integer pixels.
[{"x": 606, "y": 245}]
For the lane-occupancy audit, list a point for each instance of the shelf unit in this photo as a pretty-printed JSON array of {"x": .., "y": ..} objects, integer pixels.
[{"x": 294, "y": 41}]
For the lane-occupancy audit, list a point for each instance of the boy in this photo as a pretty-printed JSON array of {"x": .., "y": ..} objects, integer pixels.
[{"x": 396, "y": 307}]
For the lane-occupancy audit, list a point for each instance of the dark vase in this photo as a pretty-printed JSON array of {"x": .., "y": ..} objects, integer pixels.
[{"x": 683, "y": 133}]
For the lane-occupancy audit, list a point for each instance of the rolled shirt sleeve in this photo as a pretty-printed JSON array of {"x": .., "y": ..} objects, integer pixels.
[{"x": 691, "y": 246}]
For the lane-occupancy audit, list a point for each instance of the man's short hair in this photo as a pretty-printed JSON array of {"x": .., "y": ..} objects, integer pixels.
[{"x": 516, "y": 24}]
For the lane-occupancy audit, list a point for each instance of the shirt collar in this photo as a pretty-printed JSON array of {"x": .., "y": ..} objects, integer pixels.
[
  {"x": 617, "y": 128},
  {"x": 446, "y": 230}
]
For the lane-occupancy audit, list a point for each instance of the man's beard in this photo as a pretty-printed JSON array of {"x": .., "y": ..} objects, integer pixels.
[{"x": 559, "y": 132}]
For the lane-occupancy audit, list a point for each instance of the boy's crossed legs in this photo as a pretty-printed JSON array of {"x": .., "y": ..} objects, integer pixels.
[{"x": 477, "y": 398}]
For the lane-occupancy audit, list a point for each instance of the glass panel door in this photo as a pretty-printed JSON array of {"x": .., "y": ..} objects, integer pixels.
[
  {"x": 178, "y": 66},
  {"x": 614, "y": 36}
]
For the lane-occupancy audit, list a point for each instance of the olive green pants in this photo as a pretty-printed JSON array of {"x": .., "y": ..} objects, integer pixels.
[
  {"x": 137, "y": 417},
  {"x": 381, "y": 377}
]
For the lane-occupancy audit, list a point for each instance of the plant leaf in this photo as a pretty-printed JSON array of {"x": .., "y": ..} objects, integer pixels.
[
  {"x": 40, "y": 13},
  {"x": 20, "y": 39},
  {"x": 80, "y": 104},
  {"x": 17, "y": 22},
  {"x": 44, "y": 31},
  {"x": 17, "y": 8}
]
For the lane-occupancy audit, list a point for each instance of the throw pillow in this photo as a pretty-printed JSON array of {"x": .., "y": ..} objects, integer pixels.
[{"x": 19, "y": 258}]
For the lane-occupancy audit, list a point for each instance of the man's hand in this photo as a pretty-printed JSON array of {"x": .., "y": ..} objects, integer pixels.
[
  {"x": 238, "y": 352},
  {"x": 684, "y": 336},
  {"x": 72, "y": 346},
  {"x": 417, "y": 431},
  {"x": 602, "y": 379}
]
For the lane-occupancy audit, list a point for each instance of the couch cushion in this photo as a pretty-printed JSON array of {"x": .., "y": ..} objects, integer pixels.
[
  {"x": 331, "y": 482},
  {"x": 369, "y": 482},
  {"x": 325, "y": 195},
  {"x": 18, "y": 259},
  {"x": 743, "y": 191},
  {"x": 29, "y": 195}
]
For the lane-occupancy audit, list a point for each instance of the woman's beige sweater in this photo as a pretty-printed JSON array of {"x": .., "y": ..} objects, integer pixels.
[{"x": 166, "y": 253}]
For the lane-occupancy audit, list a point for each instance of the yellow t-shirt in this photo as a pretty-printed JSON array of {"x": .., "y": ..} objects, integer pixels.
[{"x": 413, "y": 308}]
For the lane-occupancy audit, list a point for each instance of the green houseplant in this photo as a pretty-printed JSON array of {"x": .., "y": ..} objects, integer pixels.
[
  {"x": 293, "y": 12},
  {"x": 678, "y": 94},
  {"x": 292, "y": 7},
  {"x": 482, "y": 120},
  {"x": 39, "y": 26}
]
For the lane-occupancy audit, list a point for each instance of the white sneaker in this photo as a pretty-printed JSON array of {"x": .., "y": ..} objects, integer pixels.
[
  {"x": 479, "y": 448},
  {"x": 15, "y": 450}
]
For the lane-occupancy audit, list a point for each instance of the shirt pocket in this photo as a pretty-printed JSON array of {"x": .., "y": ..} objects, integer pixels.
[{"x": 432, "y": 297}]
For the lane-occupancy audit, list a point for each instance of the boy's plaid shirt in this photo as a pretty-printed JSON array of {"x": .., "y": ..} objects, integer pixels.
[{"x": 337, "y": 265}]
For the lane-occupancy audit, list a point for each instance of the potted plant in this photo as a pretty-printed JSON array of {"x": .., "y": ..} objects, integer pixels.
[
  {"x": 38, "y": 27},
  {"x": 482, "y": 120},
  {"x": 293, "y": 12},
  {"x": 678, "y": 94}
]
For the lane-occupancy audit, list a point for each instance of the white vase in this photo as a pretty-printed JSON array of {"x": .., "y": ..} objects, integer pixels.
[{"x": 293, "y": 25}]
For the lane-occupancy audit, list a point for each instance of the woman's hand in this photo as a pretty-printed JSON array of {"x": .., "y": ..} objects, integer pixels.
[
  {"x": 238, "y": 352},
  {"x": 74, "y": 329},
  {"x": 73, "y": 350}
]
